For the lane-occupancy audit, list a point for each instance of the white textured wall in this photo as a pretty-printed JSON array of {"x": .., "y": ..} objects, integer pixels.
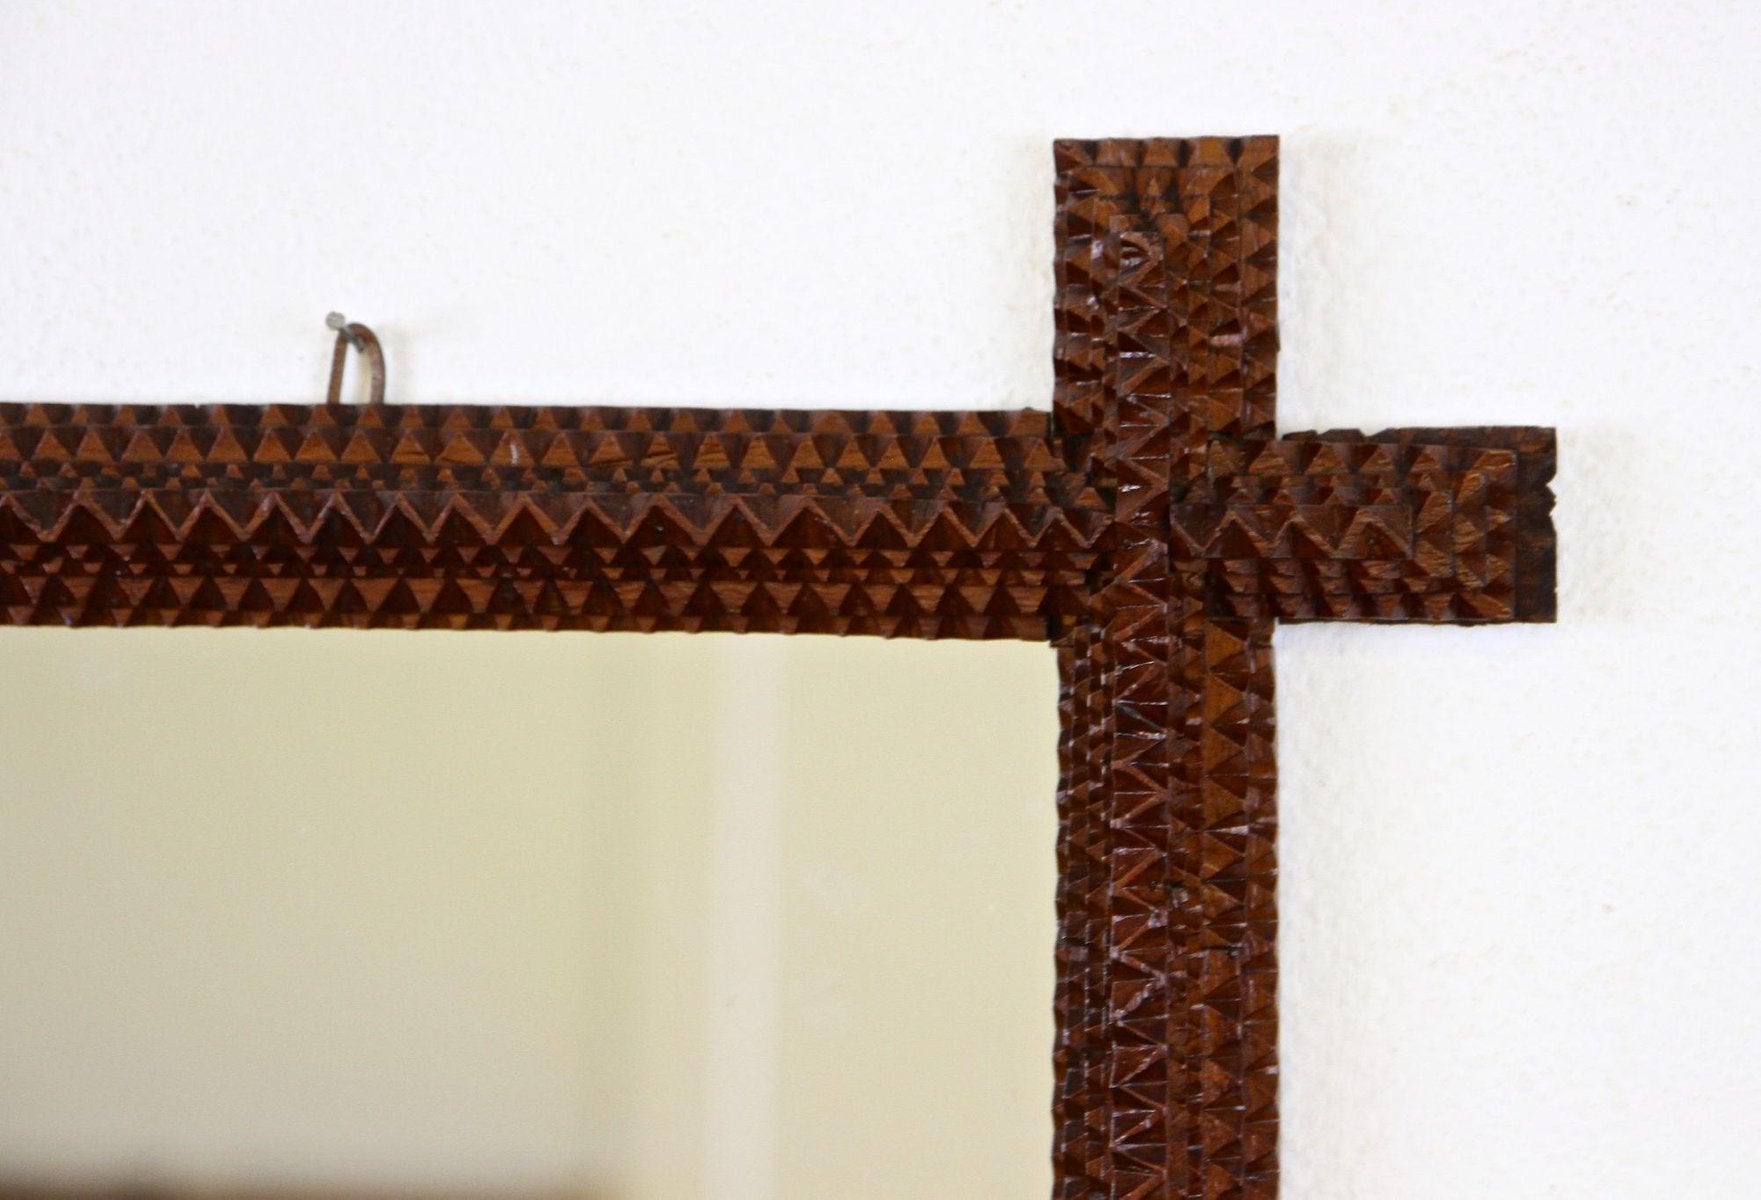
[{"x": 1519, "y": 904}]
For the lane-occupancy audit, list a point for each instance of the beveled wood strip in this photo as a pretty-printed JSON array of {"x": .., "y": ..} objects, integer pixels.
[
  {"x": 1535, "y": 539},
  {"x": 976, "y": 455},
  {"x": 1163, "y": 300}
]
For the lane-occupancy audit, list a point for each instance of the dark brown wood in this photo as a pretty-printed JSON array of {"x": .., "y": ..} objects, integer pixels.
[{"x": 1153, "y": 526}]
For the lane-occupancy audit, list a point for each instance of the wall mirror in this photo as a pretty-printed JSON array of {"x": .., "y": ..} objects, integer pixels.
[
  {"x": 608, "y": 916},
  {"x": 1153, "y": 525}
]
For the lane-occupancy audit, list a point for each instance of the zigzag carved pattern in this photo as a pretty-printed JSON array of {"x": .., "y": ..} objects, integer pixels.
[
  {"x": 1080, "y": 1145},
  {"x": 1165, "y": 344},
  {"x": 1165, "y": 355},
  {"x": 691, "y": 524},
  {"x": 974, "y": 456},
  {"x": 1370, "y": 529},
  {"x": 489, "y": 560},
  {"x": 1502, "y": 531}
]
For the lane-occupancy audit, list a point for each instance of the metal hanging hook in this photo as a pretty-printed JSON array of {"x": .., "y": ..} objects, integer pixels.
[{"x": 364, "y": 340}]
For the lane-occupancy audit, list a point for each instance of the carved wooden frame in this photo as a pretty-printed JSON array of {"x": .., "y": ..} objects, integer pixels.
[{"x": 1152, "y": 526}]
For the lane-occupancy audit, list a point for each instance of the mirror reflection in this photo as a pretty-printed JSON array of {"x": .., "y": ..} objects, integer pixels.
[{"x": 611, "y": 917}]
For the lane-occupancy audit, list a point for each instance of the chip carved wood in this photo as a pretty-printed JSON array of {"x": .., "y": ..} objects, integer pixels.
[{"x": 1152, "y": 526}]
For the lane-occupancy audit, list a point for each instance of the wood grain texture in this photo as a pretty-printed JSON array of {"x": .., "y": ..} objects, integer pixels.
[{"x": 1153, "y": 526}]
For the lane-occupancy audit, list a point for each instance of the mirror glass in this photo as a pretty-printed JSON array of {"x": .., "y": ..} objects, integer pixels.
[{"x": 613, "y": 916}]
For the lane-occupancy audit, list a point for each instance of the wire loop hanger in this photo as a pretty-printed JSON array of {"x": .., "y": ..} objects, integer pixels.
[{"x": 364, "y": 340}]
